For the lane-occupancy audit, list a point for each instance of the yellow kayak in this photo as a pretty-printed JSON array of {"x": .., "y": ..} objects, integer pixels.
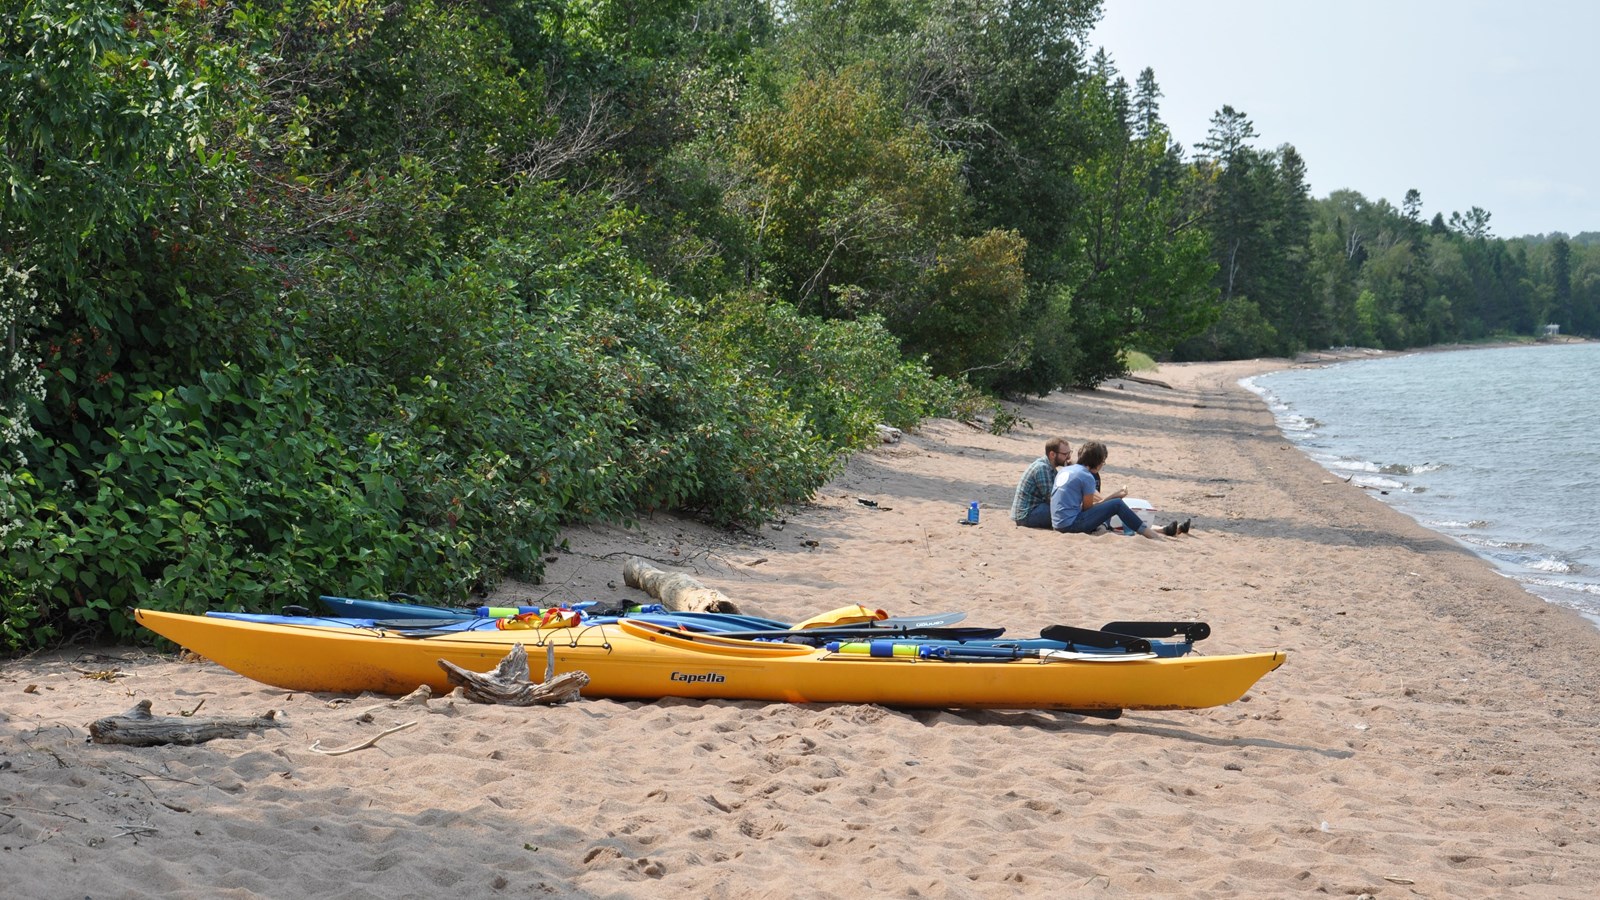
[{"x": 641, "y": 661}]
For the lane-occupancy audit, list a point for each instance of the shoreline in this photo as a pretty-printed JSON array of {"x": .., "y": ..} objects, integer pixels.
[
  {"x": 1559, "y": 597},
  {"x": 1430, "y": 735}
]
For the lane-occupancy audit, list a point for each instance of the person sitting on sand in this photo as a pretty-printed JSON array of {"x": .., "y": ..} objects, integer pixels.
[
  {"x": 1077, "y": 507},
  {"x": 1030, "y": 507}
]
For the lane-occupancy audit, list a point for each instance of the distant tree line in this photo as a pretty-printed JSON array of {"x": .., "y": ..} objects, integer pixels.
[
  {"x": 1297, "y": 273},
  {"x": 355, "y": 296},
  {"x": 1293, "y": 272}
]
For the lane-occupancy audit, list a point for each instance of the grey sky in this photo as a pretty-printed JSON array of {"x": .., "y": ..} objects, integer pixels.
[{"x": 1471, "y": 103}]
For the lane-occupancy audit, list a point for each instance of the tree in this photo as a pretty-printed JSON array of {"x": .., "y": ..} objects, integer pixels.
[
  {"x": 1146, "y": 105},
  {"x": 858, "y": 212},
  {"x": 1329, "y": 317},
  {"x": 1380, "y": 325},
  {"x": 123, "y": 134},
  {"x": 1412, "y": 206},
  {"x": 1227, "y": 141},
  {"x": 1290, "y": 272},
  {"x": 1145, "y": 268},
  {"x": 996, "y": 82},
  {"x": 1473, "y": 224},
  {"x": 850, "y": 195},
  {"x": 1561, "y": 282},
  {"x": 1585, "y": 288},
  {"x": 1383, "y": 280},
  {"x": 1140, "y": 271},
  {"x": 1236, "y": 209},
  {"x": 1256, "y": 206}
]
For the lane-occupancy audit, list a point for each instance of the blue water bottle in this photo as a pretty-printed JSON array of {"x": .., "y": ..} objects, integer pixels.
[{"x": 972, "y": 513}]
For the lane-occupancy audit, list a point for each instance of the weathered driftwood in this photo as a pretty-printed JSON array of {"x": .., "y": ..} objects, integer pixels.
[
  {"x": 508, "y": 683},
  {"x": 417, "y": 698},
  {"x": 141, "y": 729},
  {"x": 675, "y": 590},
  {"x": 1139, "y": 379},
  {"x": 316, "y": 746}
]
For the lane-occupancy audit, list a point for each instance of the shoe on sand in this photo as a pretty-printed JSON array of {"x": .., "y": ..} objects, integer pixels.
[
  {"x": 1170, "y": 529},
  {"x": 1184, "y": 528}
]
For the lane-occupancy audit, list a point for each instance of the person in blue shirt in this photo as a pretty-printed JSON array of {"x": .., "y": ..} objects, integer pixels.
[
  {"x": 1030, "y": 507},
  {"x": 1077, "y": 507}
]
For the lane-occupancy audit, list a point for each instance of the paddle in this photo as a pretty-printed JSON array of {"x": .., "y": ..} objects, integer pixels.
[
  {"x": 1191, "y": 631},
  {"x": 848, "y": 632},
  {"x": 1133, "y": 637},
  {"x": 1104, "y": 640},
  {"x": 931, "y": 620}
]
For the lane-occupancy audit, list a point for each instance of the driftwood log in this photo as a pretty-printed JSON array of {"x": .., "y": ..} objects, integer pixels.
[
  {"x": 141, "y": 729},
  {"x": 1139, "y": 379},
  {"x": 316, "y": 746},
  {"x": 675, "y": 590},
  {"x": 508, "y": 683}
]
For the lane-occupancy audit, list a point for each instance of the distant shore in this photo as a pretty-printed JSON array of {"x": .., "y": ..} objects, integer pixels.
[
  {"x": 1345, "y": 354},
  {"x": 1431, "y": 734}
]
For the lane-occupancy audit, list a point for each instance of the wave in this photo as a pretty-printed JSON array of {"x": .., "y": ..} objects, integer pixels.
[
  {"x": 1407, "y": 469},
  {"x": 1477, "y": 541},
  {"x": 1521, "y": 561},
  {"x": 1292, "y": 424},
  {"x": 1531, "y": 559},
  {"x": 1354, "y": 465},
  {"x": 1580, "y": 587},
  {"x": 1364, "y": 465}
]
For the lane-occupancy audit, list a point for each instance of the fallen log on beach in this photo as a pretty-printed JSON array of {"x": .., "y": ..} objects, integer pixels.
[
  {"x": 141, "y": 729},
  {"x": 1139, "y": 379},
  {"x": 675, "y": 590}
]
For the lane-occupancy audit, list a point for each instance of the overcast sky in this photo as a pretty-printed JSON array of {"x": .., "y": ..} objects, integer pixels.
[{"x": 1472, "y": 103}]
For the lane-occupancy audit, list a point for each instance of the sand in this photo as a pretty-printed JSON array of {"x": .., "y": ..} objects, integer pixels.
[{"x": 1433, "y": 733}]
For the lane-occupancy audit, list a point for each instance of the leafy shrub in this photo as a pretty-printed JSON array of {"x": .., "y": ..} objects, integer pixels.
[
  {"x": 231, "y": 491},
  {"x": 845, "y": 377},
  {"x": 1241, "y": 333}
]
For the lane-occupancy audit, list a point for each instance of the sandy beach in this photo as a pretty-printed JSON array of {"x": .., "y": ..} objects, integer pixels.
[{"x": 1433, "y": 734}]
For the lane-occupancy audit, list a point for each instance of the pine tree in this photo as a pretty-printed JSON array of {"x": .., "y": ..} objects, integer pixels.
[
  {"x": 1146, "y": 105},
  {"x": 1561, "y": 281},
  {"x": 1412, "y": 206}
]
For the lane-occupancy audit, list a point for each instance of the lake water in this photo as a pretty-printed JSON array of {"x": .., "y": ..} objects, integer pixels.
[{"x": 1496, "y": 448}]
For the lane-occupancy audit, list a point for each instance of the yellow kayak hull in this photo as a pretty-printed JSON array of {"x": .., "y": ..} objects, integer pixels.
[{"x": 637, "y": 661}]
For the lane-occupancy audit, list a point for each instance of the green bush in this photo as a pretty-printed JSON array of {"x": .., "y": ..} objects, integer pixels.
[
  {"x": 1240, "y": 333},
  {"x": 844, "y": 377},
  {"x": 230, "y": 492}
]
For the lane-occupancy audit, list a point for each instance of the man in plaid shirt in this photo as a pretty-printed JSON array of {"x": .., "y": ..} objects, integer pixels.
[{"x": 1030, "y": 508}]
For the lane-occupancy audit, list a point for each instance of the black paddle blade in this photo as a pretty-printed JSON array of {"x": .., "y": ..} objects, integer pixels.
[
  {"x": 1086, "y": 637},
  {"x": 1190, "y": 631}
]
